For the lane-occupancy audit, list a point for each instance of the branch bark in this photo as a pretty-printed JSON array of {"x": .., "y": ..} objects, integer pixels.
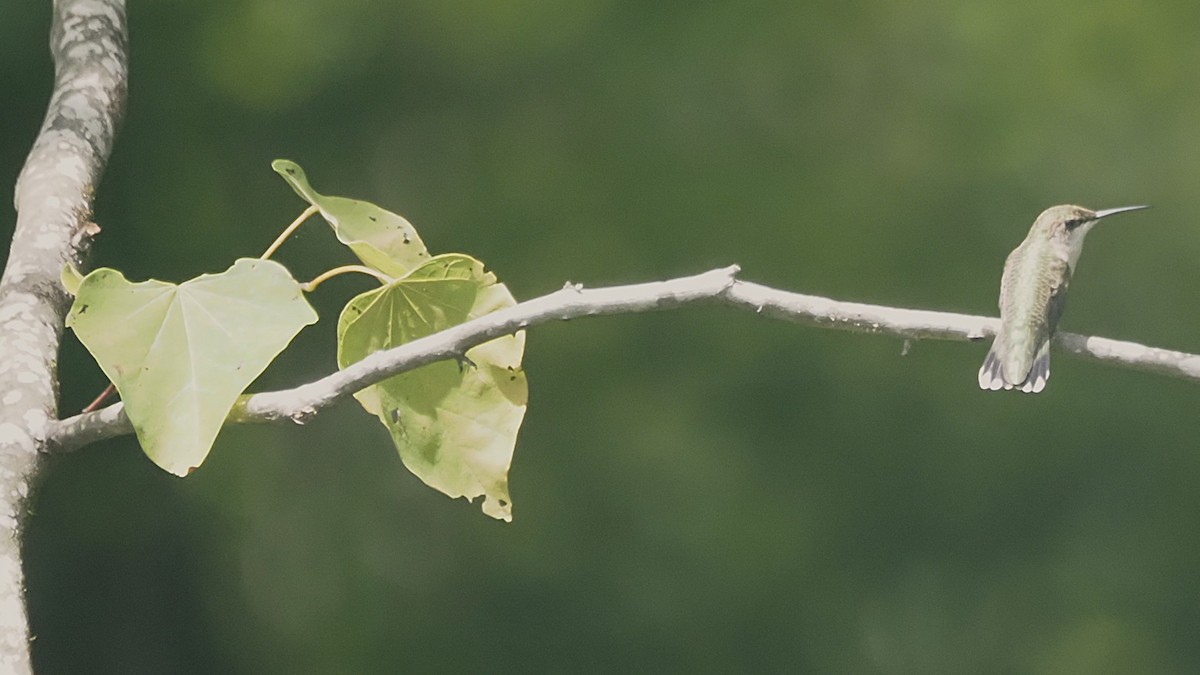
[
  {"x": 53, "y": 198},
  {"x": 717, "y": 286}
]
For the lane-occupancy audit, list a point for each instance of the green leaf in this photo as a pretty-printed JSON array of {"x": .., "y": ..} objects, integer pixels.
[
  {"x": 381, "y": 239},
  {"x": 181, "y": 354},
  {"x": 455, "y": 425},
  {"x": 71, "y": 278}
]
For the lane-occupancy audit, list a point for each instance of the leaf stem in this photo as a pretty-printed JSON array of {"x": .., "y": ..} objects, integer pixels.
[
  {"x": 287, "y": 232},
  {"x": 100, "y": 399},
  {"x": 329, "y": 274}
]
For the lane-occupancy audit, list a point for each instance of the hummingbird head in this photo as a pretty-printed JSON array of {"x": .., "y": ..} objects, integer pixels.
[{"x": 1070, "y": 224}]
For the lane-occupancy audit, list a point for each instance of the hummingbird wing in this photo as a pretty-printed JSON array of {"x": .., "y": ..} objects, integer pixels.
[
  {"x": 1020, "y": 355},
  {"x": 1039, "y": 372}
]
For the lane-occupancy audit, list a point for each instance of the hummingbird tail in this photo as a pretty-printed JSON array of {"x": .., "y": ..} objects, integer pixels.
[
  {"x": 1035, "y": 381},
  {"x": 991, "y": 374}
]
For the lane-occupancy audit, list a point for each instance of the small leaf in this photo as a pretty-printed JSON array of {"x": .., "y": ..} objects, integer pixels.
[
  {"x": 380, "y": 238},
  {"x": 71, "y": 278},
  {"x": 181, "y": 354},
  {"x": 455, "y": 425}
]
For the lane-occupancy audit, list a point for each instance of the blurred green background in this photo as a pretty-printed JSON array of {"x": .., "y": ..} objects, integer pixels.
[{"x": 701, "y": 490}]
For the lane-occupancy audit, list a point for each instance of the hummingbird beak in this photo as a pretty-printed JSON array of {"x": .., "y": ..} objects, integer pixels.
[{"x": 1120, "y": 209}]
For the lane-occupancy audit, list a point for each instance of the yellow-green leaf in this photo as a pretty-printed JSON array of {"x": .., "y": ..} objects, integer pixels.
[
  {"x": 381, "y": 239},
  {"x": 455, "y": 425},
  {"x": 181, "y": 354},
  {"x": 71, "y": 278}
]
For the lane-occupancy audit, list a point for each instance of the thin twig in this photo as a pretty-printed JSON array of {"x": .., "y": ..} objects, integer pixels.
[{"x": 717, "y": 286}]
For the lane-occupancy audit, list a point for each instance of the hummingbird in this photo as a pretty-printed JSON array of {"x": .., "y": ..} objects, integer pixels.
[{"x": 1033, "y": 291}]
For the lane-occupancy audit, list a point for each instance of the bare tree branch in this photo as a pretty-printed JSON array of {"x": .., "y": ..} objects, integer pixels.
[
  {"x": 717, "y": 286},
  {"x": 53, "y": 200}
]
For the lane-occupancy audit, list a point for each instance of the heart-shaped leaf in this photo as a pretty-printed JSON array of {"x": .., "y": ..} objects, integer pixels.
[
  {"x": 455, "y": 425},
  {"x": 181, "y": 354},
  {"x": 380, "y": 238}
]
